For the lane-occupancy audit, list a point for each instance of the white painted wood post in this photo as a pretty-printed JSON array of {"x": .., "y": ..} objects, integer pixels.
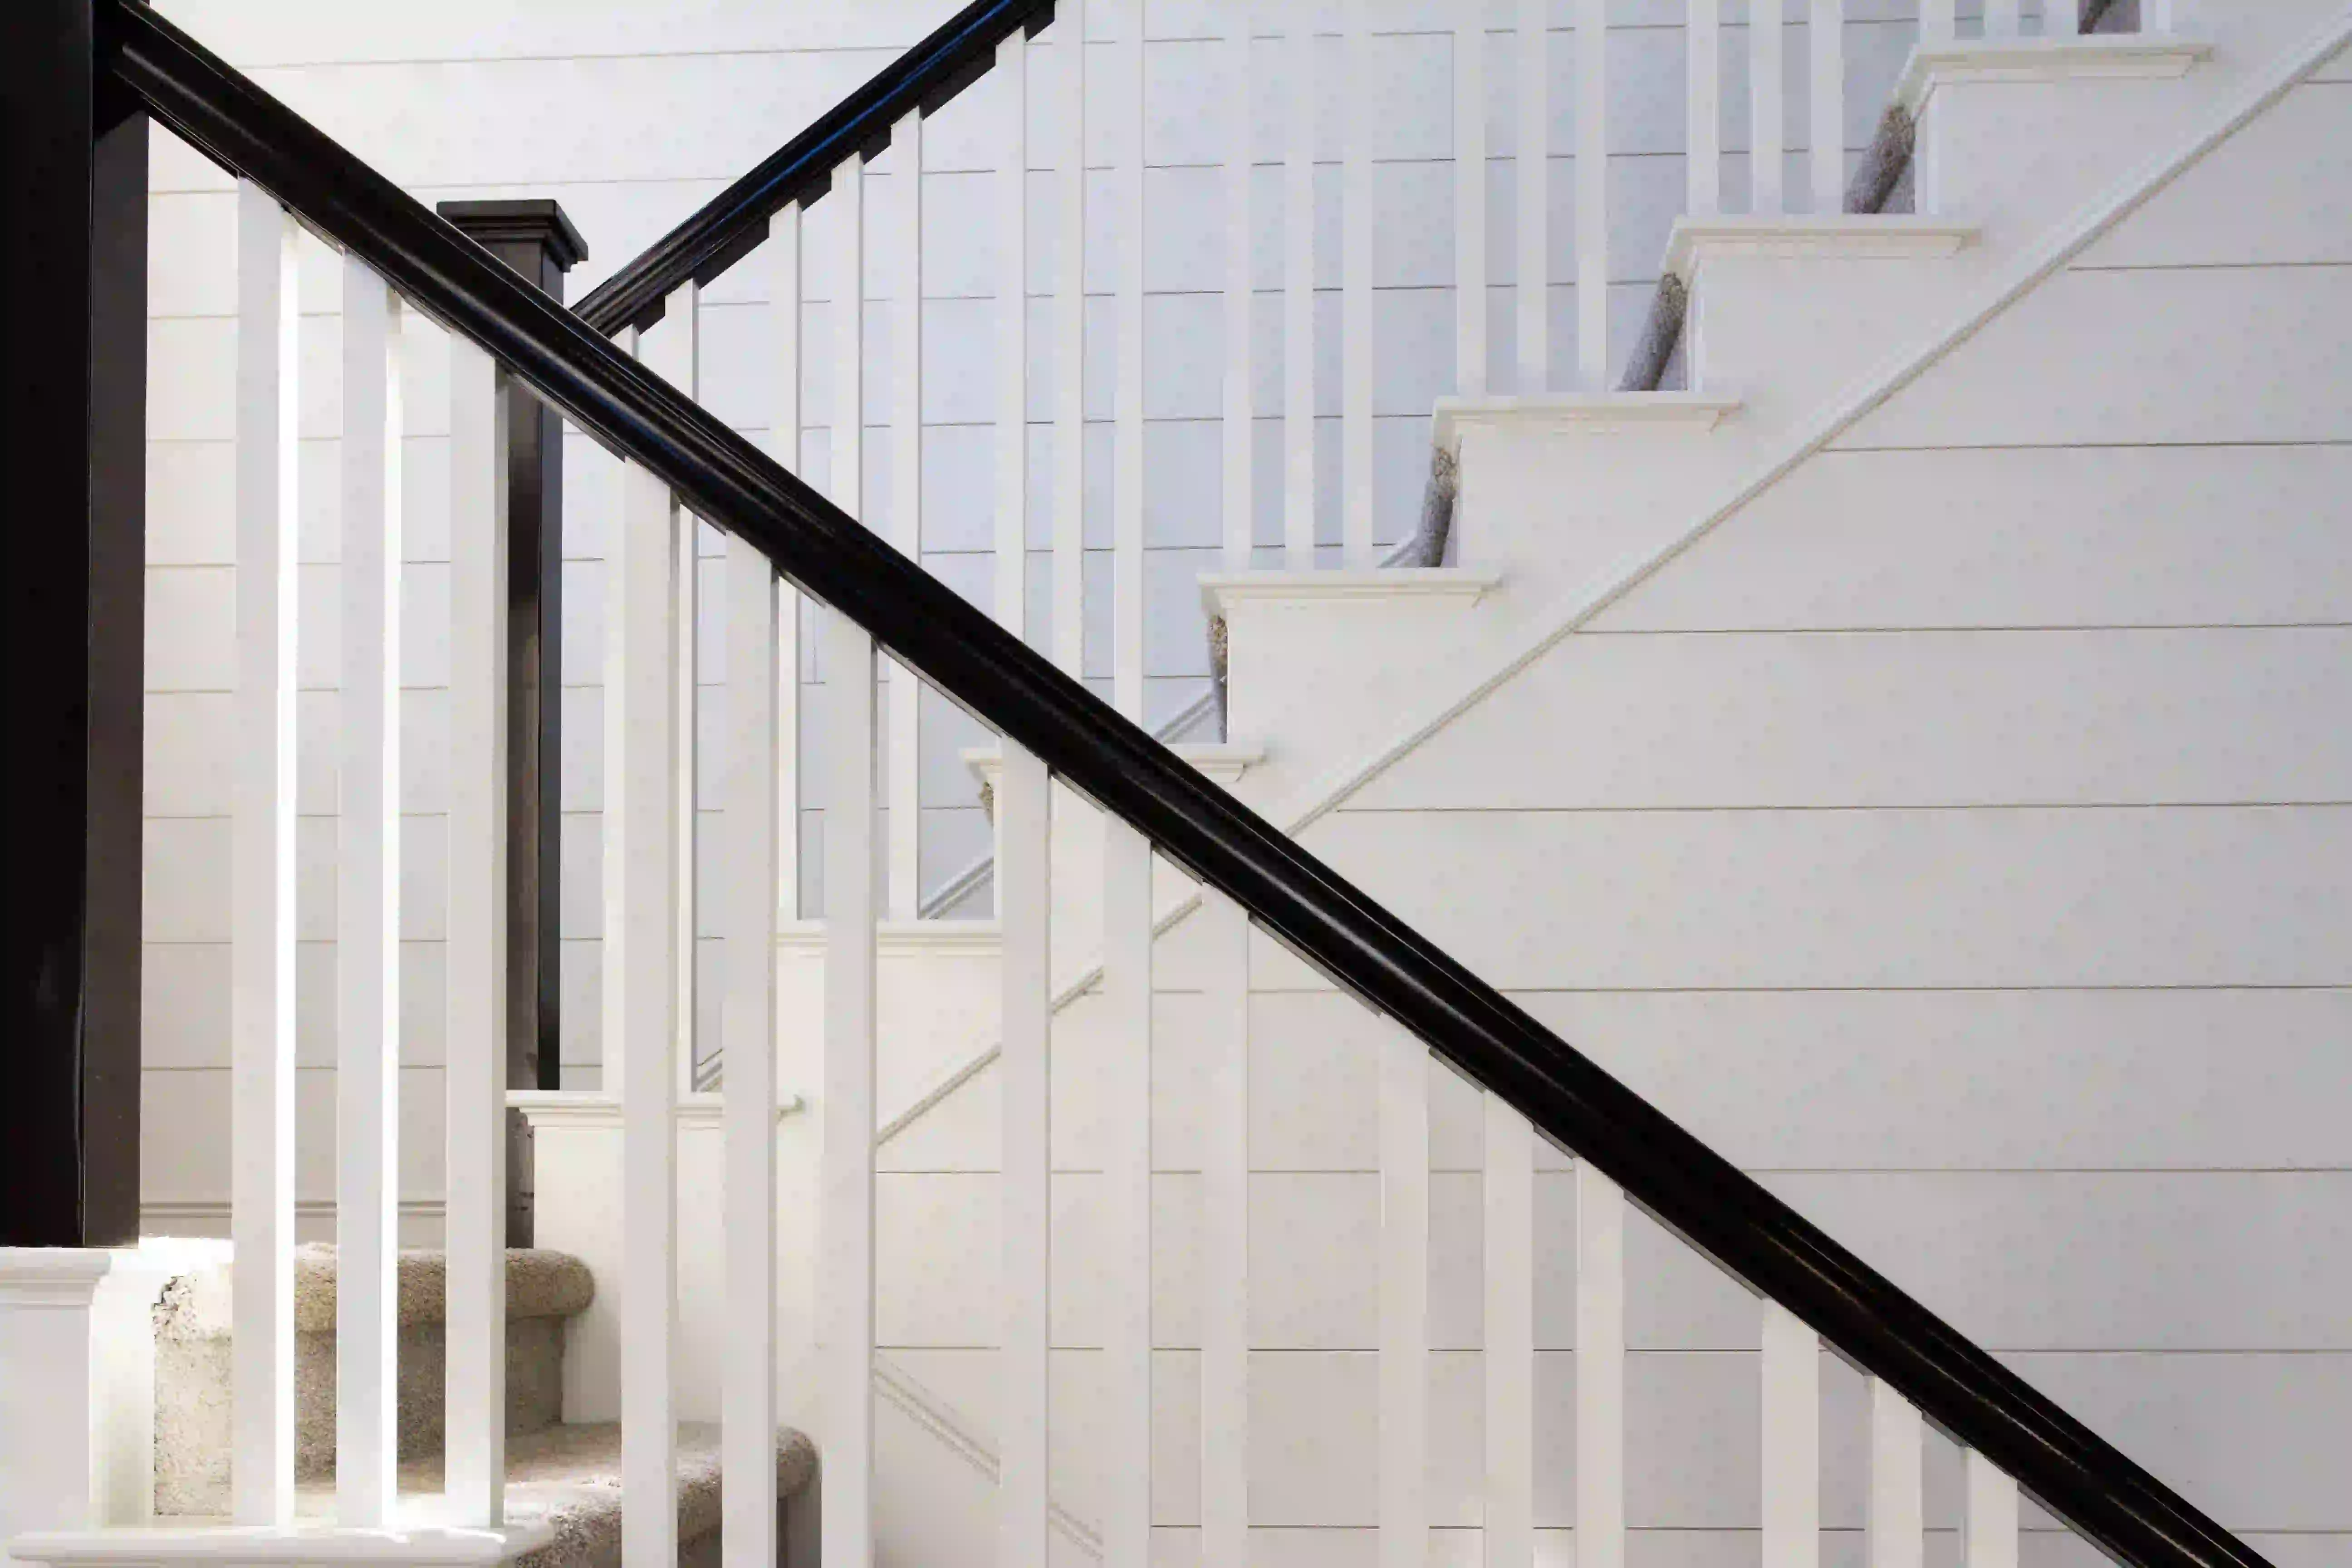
[
  {"x": 1126, "y": 434},
  {"x": 1013, "y": 343},
  {"x": 1989, "y": 1517},
  {"x": 262, "y": 876},
  {"x": 1069, "y": 345},
  {"x": 1825, "y": 34},
  {"x": 2001, "y": 19},
  {"x": 2060, "y": 18},
  {"x": 1355, "y": 291},
  {"x": 1767, "y": 89},
  {"x": 1510, "y": 1348},
  {"x": 367, "y": 907},
  {"x": 1600, "y": 1370},
  {"x": 1470, "y": 275},
  {"x": 1792, "y": 1441},
  {"x": 1025, "y": 907},
  {"x": 1298, "y": 290},
  {"x": 1225, "y": 1238},
  {"x": 474, "y": 1470},
  {"x": 1705, "y": 132},
  {"x": 1532, "y": 168},
  {"x": 1239, "y": 430},
  {"x": 785, "y": 260},
  {"x": 1936, "y": 21},
  {"x": 1893, "y": 1516},
  {"x": 902, "y": 768},
  {"x": 642, "y": 959},
  {"x": 1592, "y": 194},
  {"x": 748, "y": 1432},
  {"x": 1126, "y": 1192},
  {"x": 1405, "y": 1299}
]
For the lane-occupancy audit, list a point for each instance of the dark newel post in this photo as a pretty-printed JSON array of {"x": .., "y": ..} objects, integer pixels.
[
  {"x": 538, "y": 240},
  {"x": 73, "y": 265}
]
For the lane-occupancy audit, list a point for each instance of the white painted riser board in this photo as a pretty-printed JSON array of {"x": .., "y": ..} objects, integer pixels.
[
  {"x": 2106, "y": 536},
  {"x": 183, "y": 1137},
  {"x": 1898, "y": 718},
  {"x": 184, "y": 1011},
  {"x": 2155, "y": 357},
  {"x": 2272, "y": 193}
]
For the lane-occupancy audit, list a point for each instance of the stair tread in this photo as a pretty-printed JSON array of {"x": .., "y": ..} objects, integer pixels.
[{"x": 539, "y": 1284}]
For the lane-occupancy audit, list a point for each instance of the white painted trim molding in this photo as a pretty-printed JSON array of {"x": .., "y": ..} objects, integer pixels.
[
  {"x": 1221, "y": 592},
  {"x": 898, "y": 938},
  {"x": 2109, "y": 57},
  {"x": 934, "y": 1414},
  {"x": 422, "y": 1547},
  {"x": 1561, "y": 412},
  {"x": 1837, "y": 237},
  {"x": 565, "y": 1108},
  {"x": 1221, "y": 761}
]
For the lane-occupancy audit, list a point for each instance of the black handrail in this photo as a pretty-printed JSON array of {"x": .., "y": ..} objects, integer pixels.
[
  {"x": 733, "y": 223},
  {"x": 722, "y": 477}
]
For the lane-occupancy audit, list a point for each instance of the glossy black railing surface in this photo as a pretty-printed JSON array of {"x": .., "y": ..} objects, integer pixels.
[
  {"x": 732, "y": 224},
  {"x": 723, "y": 477}
]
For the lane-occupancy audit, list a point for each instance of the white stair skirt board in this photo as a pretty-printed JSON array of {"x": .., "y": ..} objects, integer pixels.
[
  {"x": 1835, "y": 237},
  {"x": 1587, "y": 411},
  {"x": 2101, "y": 55},
  {"x": 1221, "y": 592}
]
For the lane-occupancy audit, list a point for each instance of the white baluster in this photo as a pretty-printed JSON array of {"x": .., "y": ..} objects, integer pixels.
[
  {"x": 903, "y": 767},
  {"x": 2060, "y": 18},
  {"x": 1592, "y": 194},
  {"x": 784, "y": 256},
  {"x": 1470, "y": 198},
  {"x": 1600, "y": 1370},
  {"x": 1299, "y": 291},
  {"x": 262, "y": 877},
  {"x": 1936, "y": 23},
  {"x": 1127, "y": 435},
  {"x": 2155, "y": 16},
  {"x": 1705, "y": 132},
  {"x": 1532, "y": 167},
  {"x": 1240, "y": 444},
  {"x": 1766, "y": 79},
  {"x": 1511, "y": 1340},
  {"x": 1405, "y": 1299},
  {"x": 1069, "y": 338},
  {"x": 1013, "y": 343},
  {"x": 748, "y": 1435},
  {"x": 1792, "y": 1441},
  {"x": 474, "y": 1472},
  {"x": 367, "y": 908},
  {"x": 1988, "y": 1519},
  {"x": 1024, "y": 905},
  {"x": 1127, "y": 1184},
  {"x": 1826, "y": 32},
  {"x": 848, "y": 487},
  {"x": 1893, "y": 1518},
  {"x": 1225, "y": 1238},
  {"x": 2001, "y": 19},
  {"x": 1356, "y": 291}
]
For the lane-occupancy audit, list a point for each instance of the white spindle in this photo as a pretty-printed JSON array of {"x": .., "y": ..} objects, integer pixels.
[
  {"x": 367, "y": 908},
  {"x": 1240, "y": 506},
  {"x": 2060, "y": 18},
  {"x": 262, "y": 877},
  {"x": 1025, "y": 904},
  {"x": 748, "y": 1435},
  {"x": 1299, "y": 293},
  {"x": 1127, "y": 1183},
  {"x": 642, "y": 989},
  {"x": 474, "y": 1472},
  {"x": 1511, "y": 1340},
  {"x": 1592, "y": 194},
  {"x": 1767, "y": 76},
  {"x": 2155, "y": 16},
  {"x": 1936, "y": 21},
  {"x": 1356, "y": 291},
  {"x": 1893, "y": 1516},
  {"x": 2001, "y": 19},
  {"x": 1405, "y": 1299},
  {"x": 1013, "y": 341},
  {"x": 1531, "y": 48},
  {"x": 1127, "y": 450},
  {"x": 1470, "y": 198},
  {"x": 903, "y": 767},
  {"x": 1225, "y": 1238},
  {"x": 846, "y": 1202},
  {"x": 679, "y": 357},
  {"x": 1825, "y": 33},
  {"x": 1600, "y": 1370},
  {"x": 785, "y": 258},
  {"x": 1705, "y": 132},
  {"x": 1792, "y": 1441},
  {"x": 1069, "y": 338},
  {"x": 848, "y": 487},
  {"x": 1989, "y": 1517}
]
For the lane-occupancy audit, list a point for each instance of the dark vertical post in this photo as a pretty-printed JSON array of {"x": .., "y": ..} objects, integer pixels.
[
  {"x": 538, "y": 240},
  {"x": 73, "y": 267}
]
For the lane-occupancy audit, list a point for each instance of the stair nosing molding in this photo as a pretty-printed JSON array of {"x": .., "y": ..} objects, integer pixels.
[
  {"x": 583, "y": 1109},
  {"x": 1221, "y": 591},
  {"x": 2099, "y": 56},
  {"x": 303, "y": 1544},
  {"x": 1594, "y": 411},
  {"x": 1840, "y": 237},
  {"x": 2070, "y": 238}
]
